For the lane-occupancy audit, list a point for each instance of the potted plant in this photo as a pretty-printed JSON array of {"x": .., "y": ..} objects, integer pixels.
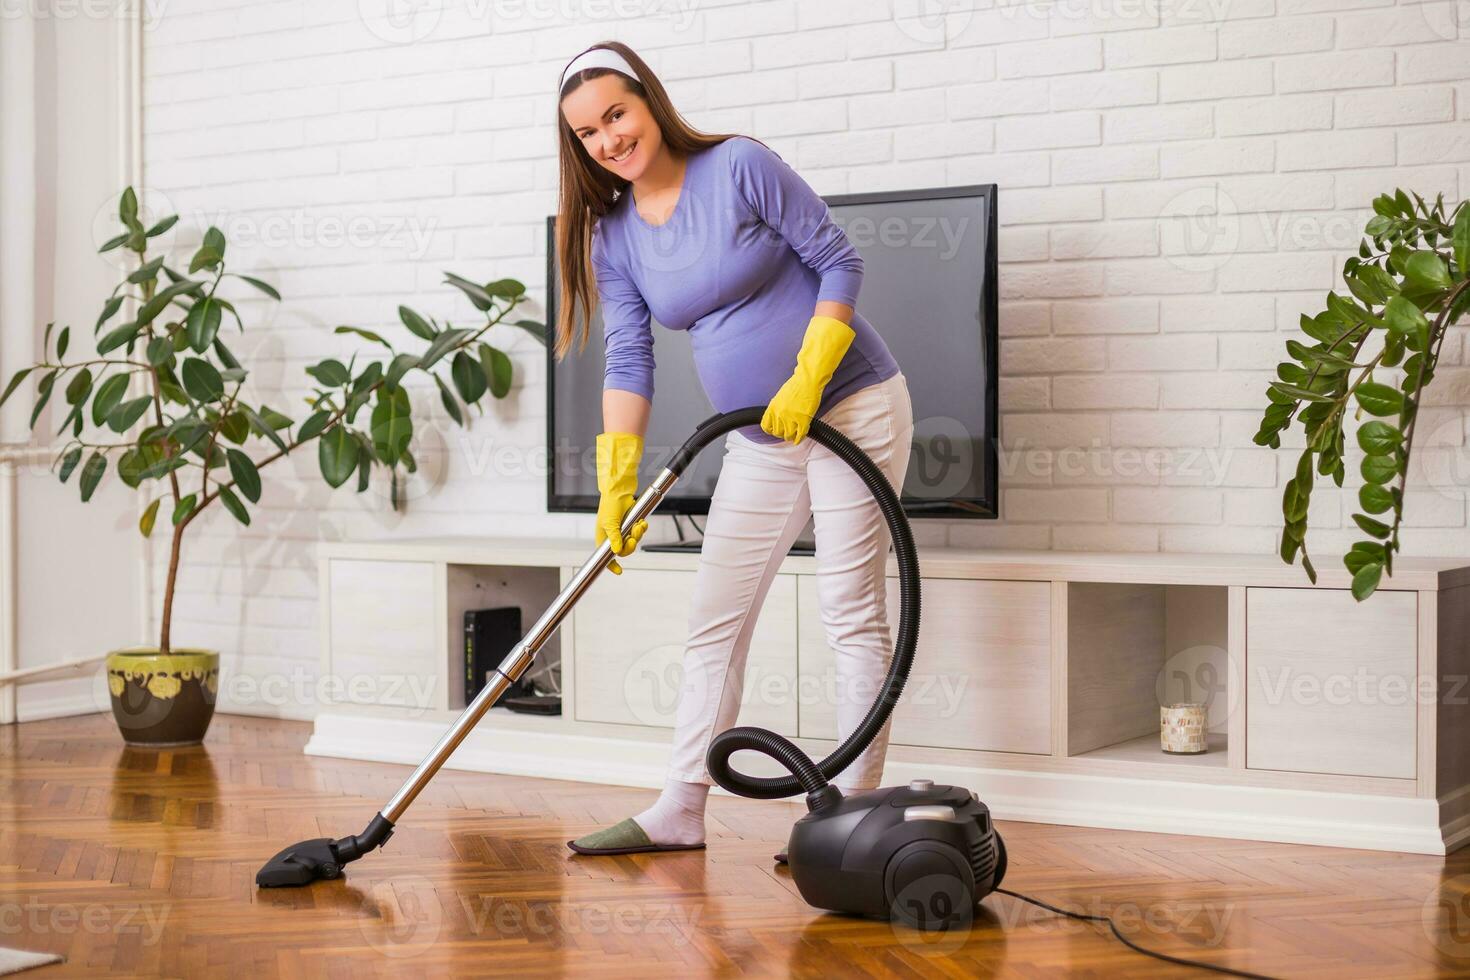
[
  {"x": 1408, "y": 284},
  {"x": 169, "y": 399}
]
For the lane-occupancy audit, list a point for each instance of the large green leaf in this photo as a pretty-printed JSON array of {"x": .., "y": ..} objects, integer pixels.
[
  {"x": 160, "y": 349},
  {"x": 506, "y": 288},
  {"x": 247, "y": 477},
  {"x": 163, "y": 225},
  {"x": 447, "y": 397},
  {"x": 108, "y": 311},
  {"x": 69, "y": 462},
  {"x": 1427, "y": 269},
  {"x": 401, "y": 365},
  {"x": 330, "y": 372},
  {"x": 202, "y": 380},
  {"x": 392, "y": 427},
  {"x": 469, "y": 379},
  {"x": 1404, "y": 317},
  {"x": 127, "y": 207},
  {"x": 121, "y": 418},
  {"x": 92, "y": 474},
  {"x": 148, "y": 270},
  {"x": 1376, "y": 528},
  {"x": 205, "y": 258},
  {"x": 534, "y": 329},
  {"x": 15, "y": 381},
  {"x": 416, "y": 324},
  {"x": 80, "y": 386},
  {"x": 235, "y": 427},
  {"x": 313, "y": 425},
  {"x": 109, "y": 396},
  {"x": 1366, "y": 580},
  {"x": 203, "y": 324},
  {"x": 364, "y": 471},
  {"x": 1379, "y": 399},
  {"x": 163, "y": 297},
  {"x": 183, "y": 508},
  {"x": 263, "y": 427},
  {"x": 441, "y": 345},
  {"x": 43, "y": 394},
  {"x": 264, "y": 287},
  {"x": 1375, "y": 498},
  {"x": 497, "y": 368},
  {"x": 1378, "y": 438},
  {"x": 337, "y": 455},
  {"x": 1294, "y": 501},
  {"x": 478, "y": 295},
  {"x": 1379, "y": 469},
  {"x": 117, "y": 336},
  {"x": 365, "y": 334},
  {"x": 233, "y": 505}
]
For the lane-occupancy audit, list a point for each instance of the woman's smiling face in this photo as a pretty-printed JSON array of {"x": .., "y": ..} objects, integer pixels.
[{"x": 613, "y": 125}]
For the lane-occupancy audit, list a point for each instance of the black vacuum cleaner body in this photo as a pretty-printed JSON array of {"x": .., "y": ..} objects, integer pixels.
[{"x": 921, "y": 853}]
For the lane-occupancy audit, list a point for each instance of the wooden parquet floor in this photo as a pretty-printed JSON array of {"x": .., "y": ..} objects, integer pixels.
[{"x": 142, "y": 863}]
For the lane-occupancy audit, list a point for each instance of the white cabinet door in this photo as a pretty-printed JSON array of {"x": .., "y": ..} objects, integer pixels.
[
  {"x": 630, "y": 636},
  {"x": 982, "y": 670},
  {"x": 1330, "y": 681},
  {"x": 381, "y": 647}
]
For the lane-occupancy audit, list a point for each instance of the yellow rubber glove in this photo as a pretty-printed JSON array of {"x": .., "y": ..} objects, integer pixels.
[
  {"x": 791, "y": 411},
  {"x": 618, "y": 454}
]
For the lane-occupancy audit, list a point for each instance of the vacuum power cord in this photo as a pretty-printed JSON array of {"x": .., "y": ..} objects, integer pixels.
[{"x": 1130, "y": 943}]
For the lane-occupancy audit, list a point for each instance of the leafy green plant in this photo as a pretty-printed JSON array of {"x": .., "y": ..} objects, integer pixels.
[
  {"x": 1408, "y": 285},
  {"x": 201, "y": 439}
]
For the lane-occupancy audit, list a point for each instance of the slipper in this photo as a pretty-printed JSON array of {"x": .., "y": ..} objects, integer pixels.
[
  {"x": 781, "y": 858},
  {"x": 624, "y": 838}
]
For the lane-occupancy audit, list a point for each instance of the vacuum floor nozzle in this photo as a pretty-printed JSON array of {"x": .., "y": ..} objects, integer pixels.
[{"x": 322, "y": 857}]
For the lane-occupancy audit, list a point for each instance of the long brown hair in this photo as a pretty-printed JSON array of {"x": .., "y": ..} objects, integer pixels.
[{"x": 589, "y": 190}]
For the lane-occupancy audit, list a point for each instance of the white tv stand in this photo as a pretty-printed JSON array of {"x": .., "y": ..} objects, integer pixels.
[{"x": 1037, "y": 681}]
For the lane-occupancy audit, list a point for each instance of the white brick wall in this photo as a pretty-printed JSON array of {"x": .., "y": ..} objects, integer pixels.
[{"x": 1137, "y": 334}]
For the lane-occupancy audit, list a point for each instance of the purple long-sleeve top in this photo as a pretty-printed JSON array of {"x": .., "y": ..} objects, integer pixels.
[{"x": 748, "y": 252}]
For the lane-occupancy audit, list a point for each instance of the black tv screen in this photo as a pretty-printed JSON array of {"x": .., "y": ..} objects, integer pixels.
[{"x": 929, "y": 289}]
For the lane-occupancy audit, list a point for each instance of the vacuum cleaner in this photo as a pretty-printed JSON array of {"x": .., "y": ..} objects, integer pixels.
[{"x": 923, "y": 854}]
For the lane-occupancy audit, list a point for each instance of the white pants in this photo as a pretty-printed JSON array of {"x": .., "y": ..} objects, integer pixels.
[{"x": 762, "y": 500}]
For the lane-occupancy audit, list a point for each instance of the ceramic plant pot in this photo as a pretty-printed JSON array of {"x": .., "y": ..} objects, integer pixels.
[{"x": 163, "y": 699}]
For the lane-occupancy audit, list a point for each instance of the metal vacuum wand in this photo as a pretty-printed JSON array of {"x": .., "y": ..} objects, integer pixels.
[
  {"x": 324, "y": 857},
  {"x": 310, "y": 860},
  {"x": 523, "y": 654}
]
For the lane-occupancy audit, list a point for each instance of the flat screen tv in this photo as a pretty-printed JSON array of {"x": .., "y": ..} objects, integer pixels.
[{"x": 929, "y": 288}]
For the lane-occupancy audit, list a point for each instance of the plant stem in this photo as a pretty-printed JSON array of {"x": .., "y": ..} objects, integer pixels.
[{"x": 1436, "y": 340}]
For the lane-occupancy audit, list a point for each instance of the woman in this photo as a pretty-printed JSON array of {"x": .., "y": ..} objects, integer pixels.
[{"x": 717, "y": 236}]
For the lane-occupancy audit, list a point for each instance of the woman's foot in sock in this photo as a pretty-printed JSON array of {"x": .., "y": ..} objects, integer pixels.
[{"x": 677, "y": 816}]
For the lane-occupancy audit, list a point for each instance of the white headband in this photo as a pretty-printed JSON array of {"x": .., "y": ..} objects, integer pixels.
[{"x": 597, "y": 58}]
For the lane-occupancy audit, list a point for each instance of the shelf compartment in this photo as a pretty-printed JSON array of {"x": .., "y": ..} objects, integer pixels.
[{"x": 1132, "y": 647}]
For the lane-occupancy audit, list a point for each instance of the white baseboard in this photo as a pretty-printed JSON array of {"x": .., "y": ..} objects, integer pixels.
[
  {"x": 1387, "y": 823},
  {"x": 58, "y": 700},
  {"x": 509, "y": 752}
]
